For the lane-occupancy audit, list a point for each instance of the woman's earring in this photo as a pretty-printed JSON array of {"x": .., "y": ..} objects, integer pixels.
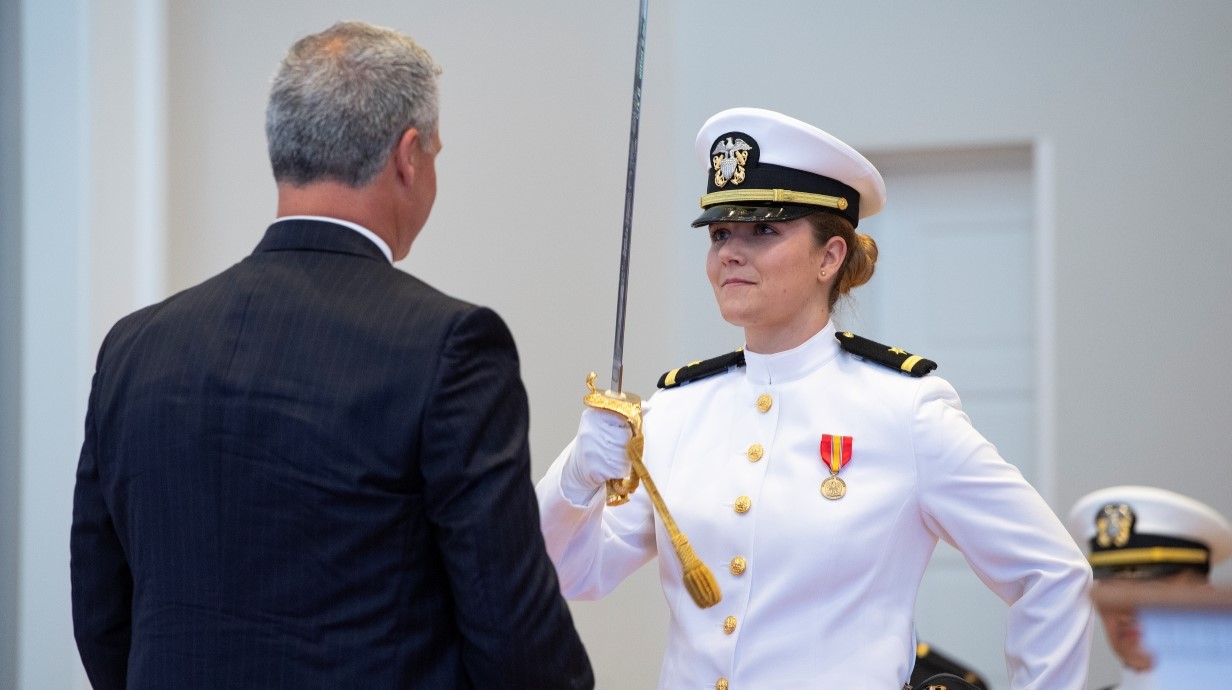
[{"x": 823, "y": 274}]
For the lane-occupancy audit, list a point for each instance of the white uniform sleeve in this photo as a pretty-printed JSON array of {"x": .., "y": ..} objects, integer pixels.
[
  {"x": 979, "y": 503},
  {"x": 593, "y": 547}
]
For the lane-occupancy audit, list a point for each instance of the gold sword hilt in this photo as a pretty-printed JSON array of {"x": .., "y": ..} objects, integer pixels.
[{"x": 626, "y": 405}]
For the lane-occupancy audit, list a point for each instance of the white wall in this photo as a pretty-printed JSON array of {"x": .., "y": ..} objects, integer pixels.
[
  {"x": 51, "y": 311},
  {"x": 1133, "y": 98},
  {"x": 10, "y": 322},
  {"x": 82, "y": 245}
]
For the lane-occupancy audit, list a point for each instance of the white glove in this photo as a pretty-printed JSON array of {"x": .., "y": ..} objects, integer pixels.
[{"x": 598, "y": 455}]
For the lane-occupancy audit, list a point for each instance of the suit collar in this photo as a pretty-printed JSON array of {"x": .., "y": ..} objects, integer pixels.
[{"x": 317, "y": 235}]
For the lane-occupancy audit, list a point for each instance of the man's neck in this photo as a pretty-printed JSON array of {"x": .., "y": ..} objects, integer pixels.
[{"x": 361, "y": 206}]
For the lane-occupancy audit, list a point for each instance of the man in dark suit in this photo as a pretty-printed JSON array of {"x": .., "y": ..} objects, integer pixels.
[{"x": 312, "y": 471}]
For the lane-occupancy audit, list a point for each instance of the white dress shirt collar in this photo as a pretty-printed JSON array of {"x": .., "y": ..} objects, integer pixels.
[{"x": 380, "y": 243}]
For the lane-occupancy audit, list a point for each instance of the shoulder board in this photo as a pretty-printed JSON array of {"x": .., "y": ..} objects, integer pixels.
[
  {"x": 892, "y": 357},
  {"x": 694, "y": 371}
]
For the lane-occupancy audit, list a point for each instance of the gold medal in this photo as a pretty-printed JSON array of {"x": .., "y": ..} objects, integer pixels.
[
  {"x": 833, "y": 488},
  {"x": 835, "y": 454}
]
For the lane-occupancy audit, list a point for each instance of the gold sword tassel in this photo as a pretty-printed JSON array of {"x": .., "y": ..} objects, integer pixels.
[{"x": 698, "y": 579}]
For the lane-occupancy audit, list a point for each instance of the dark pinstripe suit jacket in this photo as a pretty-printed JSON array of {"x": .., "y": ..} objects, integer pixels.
[{"x": 311, "y": 471}]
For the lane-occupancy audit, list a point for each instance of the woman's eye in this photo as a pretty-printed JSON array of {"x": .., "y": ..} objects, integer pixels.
[
  {"x": 719, "y": 235},
  {"x": 764, "y": 229}
]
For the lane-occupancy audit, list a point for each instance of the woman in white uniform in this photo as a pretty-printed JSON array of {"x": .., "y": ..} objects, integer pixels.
[{"x": 813, "y": 471}]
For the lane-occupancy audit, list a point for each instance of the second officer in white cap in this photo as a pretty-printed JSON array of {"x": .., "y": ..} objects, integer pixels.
[
  {"x": 1140, "y": 534},
  {"x": 813, "y": 470}
]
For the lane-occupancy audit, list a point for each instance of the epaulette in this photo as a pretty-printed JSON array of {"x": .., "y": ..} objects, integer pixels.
[
  {"x": 892, "y": 357},
  {"x": 694, "y": 371}
]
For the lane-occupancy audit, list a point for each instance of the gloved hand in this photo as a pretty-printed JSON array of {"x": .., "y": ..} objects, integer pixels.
[{"x": 598, "y": 455}]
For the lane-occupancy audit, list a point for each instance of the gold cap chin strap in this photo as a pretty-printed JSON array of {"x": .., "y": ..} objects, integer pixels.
[
  {"x": 781, "y": 196},
  {"x": 1150, "y": 554}
]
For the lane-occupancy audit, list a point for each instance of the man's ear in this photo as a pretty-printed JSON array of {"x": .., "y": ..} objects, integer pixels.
[{"x": 404, "y": 160}]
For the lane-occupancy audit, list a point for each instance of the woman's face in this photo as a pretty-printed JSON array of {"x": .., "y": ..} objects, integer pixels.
[{"x": 767, "y": 279}]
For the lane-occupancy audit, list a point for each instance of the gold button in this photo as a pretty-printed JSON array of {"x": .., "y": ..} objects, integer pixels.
[
  {"x": 743, "y": 504},
  {"x": 729, "y": 625},
  {"x": 720, "y": 684},
  {"x": 764, "y": 402},
  {"x": 737, "y": 565},
  {"x": 755, "y": 452}
]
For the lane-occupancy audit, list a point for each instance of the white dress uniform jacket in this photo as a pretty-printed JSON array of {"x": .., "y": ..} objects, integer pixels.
[{"x": 820, "y": 593}]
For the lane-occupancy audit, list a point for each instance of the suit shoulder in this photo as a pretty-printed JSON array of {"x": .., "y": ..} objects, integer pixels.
[
  {"x": 417, "y": 294},
  {"x": 132, "y": 324},
  {"x": 890, "y": 357},
  {"x": 700, "y": 369}
]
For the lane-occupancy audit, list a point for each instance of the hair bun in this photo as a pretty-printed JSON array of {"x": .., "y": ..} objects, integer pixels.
[{"x": 861, "y": 262}]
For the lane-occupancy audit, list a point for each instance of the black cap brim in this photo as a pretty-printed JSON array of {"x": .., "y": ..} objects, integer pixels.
[
  {"x": 734, "y": 213},
  {"x": 1150, "y": 571}
]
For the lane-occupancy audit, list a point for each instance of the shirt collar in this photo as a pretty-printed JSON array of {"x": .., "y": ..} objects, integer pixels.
[
  {"x": 792, "y": 364},
  {"x": 380, "y": 243}
]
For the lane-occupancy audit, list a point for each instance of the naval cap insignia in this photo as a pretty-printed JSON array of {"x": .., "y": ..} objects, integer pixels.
[
  {"x": 729, "y": 158},
  {"x": 1113, "y": 525}
]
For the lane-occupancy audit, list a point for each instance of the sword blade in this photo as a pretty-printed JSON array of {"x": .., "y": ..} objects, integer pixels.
[{"x": 618, "y": 351}]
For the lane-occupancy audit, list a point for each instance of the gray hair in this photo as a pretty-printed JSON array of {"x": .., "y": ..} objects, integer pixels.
[{"x": 342, "y": 99}]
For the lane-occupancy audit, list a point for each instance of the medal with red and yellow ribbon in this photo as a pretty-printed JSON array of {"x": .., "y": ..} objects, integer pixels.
[{"x": 835, "y": 453}]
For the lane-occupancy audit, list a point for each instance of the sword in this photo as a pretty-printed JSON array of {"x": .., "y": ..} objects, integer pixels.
[
  {"x": 697, "y": 578},
  {"x": 622, "y": 290}
]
